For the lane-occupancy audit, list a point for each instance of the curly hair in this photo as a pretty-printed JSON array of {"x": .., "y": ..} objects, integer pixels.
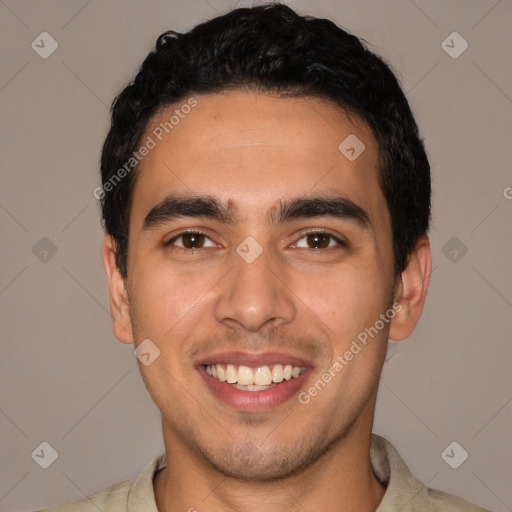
[{"x": 271, "y": 48}]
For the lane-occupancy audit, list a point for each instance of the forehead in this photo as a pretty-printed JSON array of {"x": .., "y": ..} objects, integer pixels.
[{"x": 252, "y": 149}]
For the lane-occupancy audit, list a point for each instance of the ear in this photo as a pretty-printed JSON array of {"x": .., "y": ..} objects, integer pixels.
[
  {"x": 411, "y": 291},
  {"x": 119, "y": 303}
]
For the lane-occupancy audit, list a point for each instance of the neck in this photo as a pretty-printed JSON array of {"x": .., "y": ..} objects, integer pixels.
[{"x": 340, "y": 480}]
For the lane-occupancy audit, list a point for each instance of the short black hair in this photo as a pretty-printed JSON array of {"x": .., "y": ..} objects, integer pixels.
[{"x": 271, "y": 48}]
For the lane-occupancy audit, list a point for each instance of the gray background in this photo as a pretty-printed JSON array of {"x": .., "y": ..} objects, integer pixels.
[{"x": 64, "y": 379}]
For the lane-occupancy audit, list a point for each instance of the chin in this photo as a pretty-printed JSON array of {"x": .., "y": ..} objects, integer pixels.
[
  {"x": 247, "y": 462},
  {"x": 270, "y": 471}
]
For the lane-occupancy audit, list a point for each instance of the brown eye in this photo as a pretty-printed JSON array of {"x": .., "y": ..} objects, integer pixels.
[
  {"x": 191, "y": 240},
  {"x": 319, "y": 240}
]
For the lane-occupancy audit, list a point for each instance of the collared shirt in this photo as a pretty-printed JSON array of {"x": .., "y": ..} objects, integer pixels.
[{"x": 404, "y": 492}]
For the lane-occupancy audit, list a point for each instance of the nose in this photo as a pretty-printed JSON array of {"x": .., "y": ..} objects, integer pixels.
[{"x": 255, "y": 296}]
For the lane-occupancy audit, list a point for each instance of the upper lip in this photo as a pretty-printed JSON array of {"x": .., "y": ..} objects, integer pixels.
[{"x": 252, "y": 359}]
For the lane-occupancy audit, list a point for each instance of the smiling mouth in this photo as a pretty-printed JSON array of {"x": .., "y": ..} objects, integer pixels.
[{"x": 248, "y": 378}]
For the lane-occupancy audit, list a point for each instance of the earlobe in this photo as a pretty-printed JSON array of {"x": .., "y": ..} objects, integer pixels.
[
  {"x": 411, "y": 291},
  {"x": 119, "y": 303}
]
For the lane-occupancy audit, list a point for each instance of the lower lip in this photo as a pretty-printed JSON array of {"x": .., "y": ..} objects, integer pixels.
[{"x": 254, "y": 401}]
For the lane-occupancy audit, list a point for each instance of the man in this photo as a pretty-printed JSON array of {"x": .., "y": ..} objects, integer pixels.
[{"x": 266, "y": 198}]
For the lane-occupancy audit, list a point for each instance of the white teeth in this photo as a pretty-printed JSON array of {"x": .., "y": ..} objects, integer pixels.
[
  {"x": 278, "y": 373},
  {"x": 295, "y": 372},
  {"x": 253, "y": 379},
  {"x": 252, "y": 387},
  {"x": 262, "y": 376},
  {"x": 221, "y": 374},
  {"x": 231, "y": 374},
  {"x": 245, "y": 376}
]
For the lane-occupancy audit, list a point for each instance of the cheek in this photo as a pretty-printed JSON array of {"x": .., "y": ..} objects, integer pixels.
[
  {"x": 167, "y": 299},
  {"x": 347, "y": 300}
]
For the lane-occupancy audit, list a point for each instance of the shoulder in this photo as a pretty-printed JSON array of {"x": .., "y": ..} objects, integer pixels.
[
  {"x": 404, "y": 491},
  {"x": 137, "y": 494},
  {"x": 443, "y": 501},
  {"x": 113, "y": 498}
]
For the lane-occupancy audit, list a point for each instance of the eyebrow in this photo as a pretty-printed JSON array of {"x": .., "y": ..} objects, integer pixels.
[
  {"x": 174, "y": 207},
  {"x": 336, "y": 206}
]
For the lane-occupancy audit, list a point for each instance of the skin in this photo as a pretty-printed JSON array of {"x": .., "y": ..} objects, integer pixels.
[{"x": 254, "y": 149}]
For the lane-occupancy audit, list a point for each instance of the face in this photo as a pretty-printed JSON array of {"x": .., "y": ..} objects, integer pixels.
[{"x": 279, "y": 259}]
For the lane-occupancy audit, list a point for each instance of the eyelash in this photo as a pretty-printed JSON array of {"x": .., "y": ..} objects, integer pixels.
[
  {"x": 340, "y": 242},
  {"x": 195, "y": 232}
]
